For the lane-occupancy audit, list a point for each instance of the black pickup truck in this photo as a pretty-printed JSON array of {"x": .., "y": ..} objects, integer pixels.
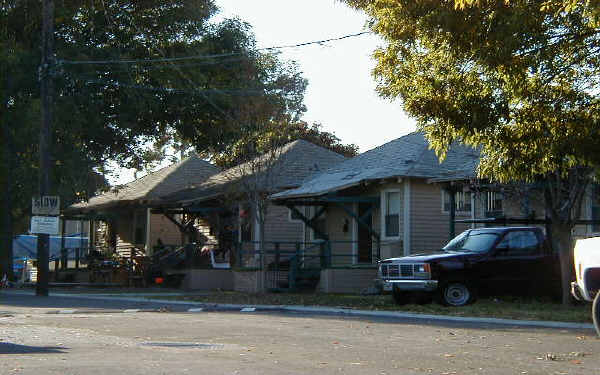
[{"x": 497, "y": 261}]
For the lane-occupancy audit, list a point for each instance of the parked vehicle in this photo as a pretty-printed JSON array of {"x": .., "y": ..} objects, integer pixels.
[
  {"x": 504, "y": 260},
  {"x": 587, "y": 272}
]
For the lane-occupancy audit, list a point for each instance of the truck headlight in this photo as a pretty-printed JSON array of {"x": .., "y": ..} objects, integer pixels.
[{"x": 422, "y": 268}]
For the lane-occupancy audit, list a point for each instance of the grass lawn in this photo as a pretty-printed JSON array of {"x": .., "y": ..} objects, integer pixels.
[{"x": 500, "y": 307}]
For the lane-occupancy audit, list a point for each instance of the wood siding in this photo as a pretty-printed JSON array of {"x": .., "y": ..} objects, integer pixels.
[
  {"x": 163, "y": 228},
  {"x": 430, "y": 226},
  {"x": 279, "y": 227}
]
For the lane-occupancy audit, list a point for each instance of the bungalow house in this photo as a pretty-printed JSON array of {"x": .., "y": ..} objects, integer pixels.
[
  {"x": 397, "y": 200},
  {"x": 121, "y": 219},
  {"x": 226, "y": 210}
]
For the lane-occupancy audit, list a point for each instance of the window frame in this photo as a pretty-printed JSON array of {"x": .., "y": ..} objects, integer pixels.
[
  {"x": 464, "y": 212},
  {"x": 384, "y": 213},
  {"x": 488, "y": 204}
]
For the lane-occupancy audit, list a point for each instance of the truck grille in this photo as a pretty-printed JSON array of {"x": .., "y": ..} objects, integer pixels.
[
  {"x": 400, "y": 270},
  {"x": 406, "y": 270}
]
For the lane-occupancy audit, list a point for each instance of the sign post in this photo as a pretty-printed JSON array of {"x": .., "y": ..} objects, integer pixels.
[{"x": 45, "y": 222}]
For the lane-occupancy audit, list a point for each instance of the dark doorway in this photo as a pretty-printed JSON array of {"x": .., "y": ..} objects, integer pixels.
[{"x": 365, "y": 241}]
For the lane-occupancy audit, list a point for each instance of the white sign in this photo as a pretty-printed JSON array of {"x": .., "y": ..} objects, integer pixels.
[
  {"x": 44, "y": 224},
  {"x": 46, "y": 205}
]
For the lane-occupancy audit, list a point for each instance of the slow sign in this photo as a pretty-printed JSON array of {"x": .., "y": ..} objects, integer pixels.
[{"x": 46, "y": 205}]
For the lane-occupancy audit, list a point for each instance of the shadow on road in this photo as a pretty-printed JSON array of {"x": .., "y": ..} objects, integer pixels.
[
  {"x": 8, "y": 300},
  {"x": 10, "y": 348}
]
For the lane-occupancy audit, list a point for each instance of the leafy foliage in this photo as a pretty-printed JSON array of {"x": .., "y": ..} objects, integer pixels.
[
  {"x": 519, "y": 80},
  {"x": 128, "y": 75},
  {"x": 274, "y": 135}
]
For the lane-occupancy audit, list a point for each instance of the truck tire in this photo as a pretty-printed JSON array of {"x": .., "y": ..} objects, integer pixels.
[
  {"x": 596, "y": 313},
  {"x": 400, "y": 297},
  {"x": 457, "y": 294}
]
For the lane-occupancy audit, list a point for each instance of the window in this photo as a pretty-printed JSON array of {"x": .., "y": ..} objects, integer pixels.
[
  {"x": 494, "y": 201},
  {"x": 476, "y": 241},
  {"x": 392, "y": 213},
  {"x": 519, "y": 243},
  {"x": 462, "y": 201},
  {"x": 140, "y": 227}
]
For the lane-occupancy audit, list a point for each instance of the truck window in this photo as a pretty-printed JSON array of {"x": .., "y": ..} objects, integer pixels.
[
  {"x": 480, "y": 242},
  {"x": 523, "y": 242}
]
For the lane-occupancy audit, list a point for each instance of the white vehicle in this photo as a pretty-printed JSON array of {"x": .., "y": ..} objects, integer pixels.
[{"x": 587, "y": 271}]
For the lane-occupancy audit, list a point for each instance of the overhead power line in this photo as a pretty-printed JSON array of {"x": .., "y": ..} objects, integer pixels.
[
  {"x": 202, "y": 57},
  {"x": 238, "y": 92}
]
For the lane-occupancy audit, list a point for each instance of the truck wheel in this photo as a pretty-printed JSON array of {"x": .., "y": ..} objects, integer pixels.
[
  {"x": 596, "y": 313},
  {"x": 457, "y": 294},
  {"x": 400, "y": 297}
]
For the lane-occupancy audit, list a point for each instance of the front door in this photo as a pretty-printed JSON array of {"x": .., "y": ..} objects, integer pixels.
[{"x": 365, "y": 241}]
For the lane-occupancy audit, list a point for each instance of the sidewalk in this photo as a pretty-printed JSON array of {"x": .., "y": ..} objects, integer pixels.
[{"x": 314, "y": 310}]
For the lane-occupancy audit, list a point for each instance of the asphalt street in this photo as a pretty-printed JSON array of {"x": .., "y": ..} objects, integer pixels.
[{"x": 61, "y": 335}]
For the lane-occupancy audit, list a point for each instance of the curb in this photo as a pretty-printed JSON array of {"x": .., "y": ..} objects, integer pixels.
[{"x": 207, "y": 307}]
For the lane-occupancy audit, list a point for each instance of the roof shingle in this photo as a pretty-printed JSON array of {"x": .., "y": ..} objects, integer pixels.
[
  {"x": 191, "y": 171},
  {"x": 292, "y": 164},
  {"x": 407, "y": 156}
]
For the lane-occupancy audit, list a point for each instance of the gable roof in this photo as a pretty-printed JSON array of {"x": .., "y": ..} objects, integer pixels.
[
  {"x": 188, "y": 172},
  {"x": 284, "y": 168},
  {"x": 407, "y": 156}
]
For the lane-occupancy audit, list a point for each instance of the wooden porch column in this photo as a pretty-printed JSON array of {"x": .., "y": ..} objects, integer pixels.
[
  {"x": 452, "y": 225},
  {"x": 63, "y": 253}
]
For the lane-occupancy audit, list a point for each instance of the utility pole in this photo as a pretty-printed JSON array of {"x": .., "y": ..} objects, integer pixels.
[
  {"x": 47, "y": 96},
  {"x": 6, "y": 259}
]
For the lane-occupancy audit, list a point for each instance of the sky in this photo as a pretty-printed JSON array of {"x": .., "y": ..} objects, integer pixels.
[{"x": 341, "y": 90}]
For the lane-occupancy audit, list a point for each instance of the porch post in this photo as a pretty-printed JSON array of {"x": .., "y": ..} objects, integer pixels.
[
  {"x": 63, "y": 253},
  {"x": 148, "y": 232},
  {"x": 407, "y": 246},
  {"x": 452, "y": 192}
]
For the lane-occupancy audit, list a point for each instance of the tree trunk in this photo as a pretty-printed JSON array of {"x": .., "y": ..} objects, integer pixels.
[{"x": 562, "y": 242}]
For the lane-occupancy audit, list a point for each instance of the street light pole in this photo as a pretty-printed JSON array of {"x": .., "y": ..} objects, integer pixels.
[{"x": 47, "y": 94}]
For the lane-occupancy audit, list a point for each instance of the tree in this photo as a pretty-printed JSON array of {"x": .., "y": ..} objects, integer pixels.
[
  {"x": 517, "y": 78},
  {"x": 273, "y": 135},
  {"x": 126, "y": 75}
]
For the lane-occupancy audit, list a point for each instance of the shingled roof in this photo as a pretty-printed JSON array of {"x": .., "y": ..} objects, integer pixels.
[
  {"x": 407, "y": 156},
  {"x": 191, "y": 171},
  {"x": 289, "y": 167}
]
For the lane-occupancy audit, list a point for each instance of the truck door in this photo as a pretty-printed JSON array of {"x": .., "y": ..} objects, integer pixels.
[{"x": 515, "y": 263}]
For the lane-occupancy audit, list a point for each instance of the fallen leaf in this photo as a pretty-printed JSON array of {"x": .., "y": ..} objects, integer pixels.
[{"x": 576, "y": 362}]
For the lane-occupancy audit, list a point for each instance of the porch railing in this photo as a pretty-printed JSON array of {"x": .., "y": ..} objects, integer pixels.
[{"x": 291, "y": 265}]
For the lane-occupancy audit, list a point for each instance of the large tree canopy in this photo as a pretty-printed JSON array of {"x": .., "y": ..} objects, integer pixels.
[
  {"x": 518, "y": 79},
  {"x": 126, "y": 75}
]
